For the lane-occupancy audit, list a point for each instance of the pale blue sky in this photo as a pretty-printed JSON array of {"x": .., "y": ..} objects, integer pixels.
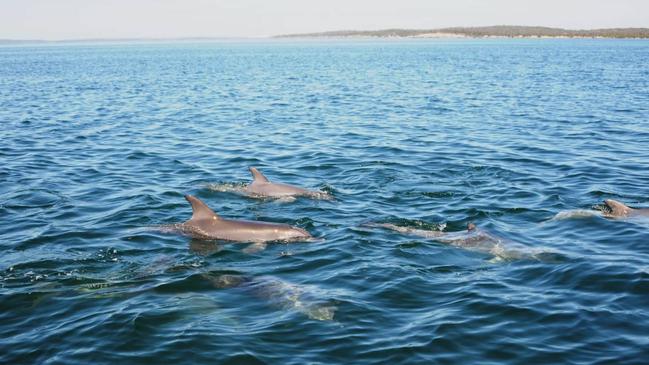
[{"x": 74, "y": 19}]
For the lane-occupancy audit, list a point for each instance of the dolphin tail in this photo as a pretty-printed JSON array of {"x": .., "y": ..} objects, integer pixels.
[
  {"x": 257, "y": 176},
  {"x": 200, "y": 209}
]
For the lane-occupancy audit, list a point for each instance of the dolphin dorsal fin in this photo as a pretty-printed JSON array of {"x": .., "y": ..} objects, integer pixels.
[
  {"x": 200, "y": 209},
  {"x": 618, "y": 208},
  {"x": 257, "y": 176}
]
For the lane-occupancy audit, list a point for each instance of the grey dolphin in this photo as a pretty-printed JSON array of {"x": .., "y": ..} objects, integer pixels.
[
  {"x": 616, "y": 209},
  {"x": 279, "y": 293},
  {"x": 263, "y": 188},
  {"x": 474, "y": 239},
  {"x": 206, "y": 224}
]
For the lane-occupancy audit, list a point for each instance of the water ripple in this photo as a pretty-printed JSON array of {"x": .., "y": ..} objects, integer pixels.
[{"x": 521, "y": 137}]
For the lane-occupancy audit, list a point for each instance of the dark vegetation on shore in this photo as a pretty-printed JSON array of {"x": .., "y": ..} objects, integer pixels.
[{"x": 492, "y": 31}]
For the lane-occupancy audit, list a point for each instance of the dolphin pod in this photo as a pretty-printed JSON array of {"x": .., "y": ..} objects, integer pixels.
[{"x": 206, "y": 224}]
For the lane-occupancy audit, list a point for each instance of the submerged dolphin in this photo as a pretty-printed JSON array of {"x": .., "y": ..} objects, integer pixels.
[
  {"x": 615, "y": 209},
  {"x": 303, "y": 299},
  {"x": 474, "y": 239},
  {"x": 261, "y": 187},
  {"x": 205, "y": 224}
]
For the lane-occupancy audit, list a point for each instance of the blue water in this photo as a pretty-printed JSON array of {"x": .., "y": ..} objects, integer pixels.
[{"x": 100, "y": 142}]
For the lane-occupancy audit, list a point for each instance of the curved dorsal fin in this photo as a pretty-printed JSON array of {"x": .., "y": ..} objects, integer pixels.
[
  {"x": 617, "y": 208},
  {"x": 257, "y": 176},
  {"x": 200, "y": 209}
]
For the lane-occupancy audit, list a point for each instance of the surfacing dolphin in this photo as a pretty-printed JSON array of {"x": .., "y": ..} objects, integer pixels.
[
  {"x": 610, "y": 209},
  {"x": 615, "y": 209},
  {"x": 205, "y": 224},
  {"x": 473, "y": 239},
  {"x": 261, "y": 187}
]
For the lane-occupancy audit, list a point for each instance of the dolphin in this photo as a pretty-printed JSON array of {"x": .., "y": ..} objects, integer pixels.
[
  {"x": 473, "y": 239},
  {"x": 279, "y": 293},
  {"x": 615, "y": 209},
  {"x": 261, "y": 187},
  {"x": 205, "y": 224}
]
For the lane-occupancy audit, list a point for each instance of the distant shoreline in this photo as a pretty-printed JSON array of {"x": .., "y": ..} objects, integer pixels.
[
  {"x": 458, "y": 37},
  {"x": 80, "y": 42},
  {"x": 498, "y": 31}
]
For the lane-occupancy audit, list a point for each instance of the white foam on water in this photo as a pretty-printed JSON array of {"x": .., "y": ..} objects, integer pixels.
[{"x": 577, "y": 214}]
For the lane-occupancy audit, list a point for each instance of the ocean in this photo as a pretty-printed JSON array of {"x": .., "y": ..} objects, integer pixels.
[{"x": 522, "y": 137}]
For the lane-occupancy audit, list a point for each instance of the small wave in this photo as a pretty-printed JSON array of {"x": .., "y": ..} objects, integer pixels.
[
  {"x": 166, "y": 228},
  {"x": 504, "y": 253},
  {"x": 285, "y": 199},
  {"x": 238, "y": 188},
  {"x": 183, "y": 229},
  {"x": 576, "y": 214},
  {"x": 416, "y": 228},
  {"x": 321, "y": 195}
]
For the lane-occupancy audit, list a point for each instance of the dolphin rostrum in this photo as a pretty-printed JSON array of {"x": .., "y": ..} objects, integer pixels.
[
  {"x": 615, "y": 209},
  {"x": 261, "y": 187},
  {"x": 205, "y": 224}
]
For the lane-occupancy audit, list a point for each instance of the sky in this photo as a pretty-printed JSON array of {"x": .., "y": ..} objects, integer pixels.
[{"x": 83, "y": 19}]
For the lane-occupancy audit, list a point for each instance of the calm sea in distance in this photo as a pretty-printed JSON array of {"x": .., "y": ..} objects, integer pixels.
[{"x": 524, "y": 138}]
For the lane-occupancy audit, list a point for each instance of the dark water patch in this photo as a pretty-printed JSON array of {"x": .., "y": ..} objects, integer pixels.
[{"x": 37, "y": 198}]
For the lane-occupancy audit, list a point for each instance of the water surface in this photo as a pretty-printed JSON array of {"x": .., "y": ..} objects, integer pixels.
[{"x": 100, "y": 142}]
